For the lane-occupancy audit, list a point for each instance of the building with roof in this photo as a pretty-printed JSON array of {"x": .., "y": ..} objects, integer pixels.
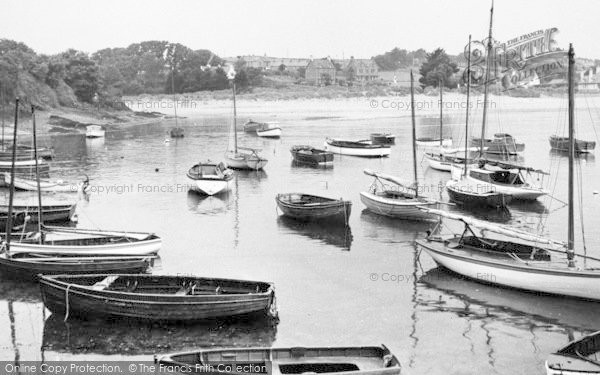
[
  {"x": 320, "y": 72},
  {"x": 359, "y": 69}
]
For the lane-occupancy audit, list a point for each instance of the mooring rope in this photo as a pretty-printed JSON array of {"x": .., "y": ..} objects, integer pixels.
[{"x": 67, "y": 303}]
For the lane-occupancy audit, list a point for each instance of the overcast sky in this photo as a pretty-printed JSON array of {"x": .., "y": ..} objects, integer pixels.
[{"x": 297, "y": 28}]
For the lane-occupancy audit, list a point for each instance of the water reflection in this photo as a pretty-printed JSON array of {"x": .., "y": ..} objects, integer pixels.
[
  {"x": 134, "y": 337},
  {"x": 384, "y": 229},
  {"x": 446, "y": 291},
  {"x": 501, "y": 215},
  {"x": 208, "y": 205},
  {"x": 328, "y": 233},
  {"x": 588, "y": 157},
  {"x": 301, "y": 165}
]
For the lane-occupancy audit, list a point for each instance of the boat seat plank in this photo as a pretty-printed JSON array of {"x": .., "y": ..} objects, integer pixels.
[{"x": 105, "y": 283}]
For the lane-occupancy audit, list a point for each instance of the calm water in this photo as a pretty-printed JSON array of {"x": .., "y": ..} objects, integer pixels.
[{"x": 360, "y": 286}]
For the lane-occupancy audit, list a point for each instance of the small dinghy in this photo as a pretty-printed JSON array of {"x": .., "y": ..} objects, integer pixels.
[
  {"x": 276, "y": 361},
  {"x": 312, "y": 207},
  {"x": 310, "y": 155},
  {"x": 383, "y": 139},
  {"x": 28, "y": 266},
  {"x": 46, "y": 185},
  {"x": 364, "y": 148},
  {"x": 476, "y": 195},
  {"x": 562, "y": 144},
  {"x": 502, "y": 144},
  {"x": 581, "y": 356},
  {"x": 94, "y": 131},
  {"x": 209, "y": 178},
  {"x": 252, "y": 126},
  {"x": 269, "y": 131},
  {"x": 177, "y": 132},
  {"x": 153, "y": 297}
]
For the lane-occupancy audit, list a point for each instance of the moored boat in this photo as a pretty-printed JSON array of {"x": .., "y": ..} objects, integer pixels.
[
  {"x": 443, "y": 162},
  {"x": 579, "y": 357},
  {"x": 502, "y": 144},
  {"x": 154, "y": 297},
  {"x": 364, "y": 148},
  {"x": 433, "y": 142},
  {"x": 269, "y": 131},
  {"x": 252, "y": 126},
  {"x": 383, "y": 138},
  {"x": 209, "y": 178},
  {"x": 29, "y": 266},
  {"x": 177, "y": 132},
  {"x": 562, "y": 144},
  {"x": 51, "y": 212},
  {"x": 374, "y": 360},
  {"x": 312, "y": 207},
  {"x": 479, "y": 195},
  {"x": 46, "y": 185},
  {"x": 310, "y": 155},
  {"x": 94, "y": 131}
]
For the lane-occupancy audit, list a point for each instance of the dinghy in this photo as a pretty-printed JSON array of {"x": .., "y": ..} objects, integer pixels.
[
  {"x": 29, "y": 266},
  {"x": 579, "y": 357},
  {"x": 364, "y": 148},
  {"x": 383, "y": 138},
  {"x": 51, "y": 212},
  {"x": 153, "y": 297},
  {"x": 562, "y": 144},
  {"x": 477, "y": 196},
  {"x": 94, "y": 131},
  {"x": 501, "y": 144},
  {"x": 269, "y": 131},
  {"x": 310, "y": 155},
  {"x": 46, "y": 185},
  {"x": 366, "y": 360},
  {"x": 433, "y": 142},
  {"x": 209, "y": 178},
  {"x": 312, "y": 207},
  {"x": 252, "y": 126}
]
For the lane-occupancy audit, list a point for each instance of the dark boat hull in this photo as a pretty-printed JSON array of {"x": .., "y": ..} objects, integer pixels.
[
  {"x": 50, "y": 214},
  {"x": 562, "y": 144},
  {"x": 325, "y": 209},
  {"x": 311, "y": 155},
  {"x": 18, "y": 268},
  {"x": 84, "y": 301},
  {"x": 383, "y": 139},
  {"x": 495, "y": 200},
  {"x": 502, "y": 144},
  {"x": 177, "y": 133}
]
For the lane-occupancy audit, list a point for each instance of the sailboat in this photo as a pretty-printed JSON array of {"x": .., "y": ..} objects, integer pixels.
[
  {"x": 506, "y": 178},
  {"x": 71, "y": 241},
  {"x": 576, "y": 358},
  {"x": 518, "y": 259},
  {"x": 459, "y": 189},
  {"x": 442, "y": 161},
  {"x": 241, "y": 157},
  {"x": 177, "y": 131},
  {"x": 402, "y": 200}
]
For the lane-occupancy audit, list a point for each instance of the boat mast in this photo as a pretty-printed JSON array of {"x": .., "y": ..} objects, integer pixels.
[
  {"x": 441, "y": 113},
  {"x": 37, "y": 175},
  {"x": 9, "y": 221},
  {"x": 235, "y": 145},
  {"x": 486, "y": 81},
  {"x": 571, "y": 238},
  {"x": 414, "y": 131},
  {"x": 173, "y": 93},
  {"x": 467, "y": 115},
  {"x": 2, "y": 104}
]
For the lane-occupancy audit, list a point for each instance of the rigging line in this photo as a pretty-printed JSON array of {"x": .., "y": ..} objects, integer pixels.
[{"x": 591, "y": 119}]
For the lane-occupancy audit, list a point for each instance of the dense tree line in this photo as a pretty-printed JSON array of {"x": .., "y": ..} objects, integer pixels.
[{"x": 399, "y": 58}]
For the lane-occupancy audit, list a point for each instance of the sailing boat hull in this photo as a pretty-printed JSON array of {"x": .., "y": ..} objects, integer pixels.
[
  {"x": 564, "y": 282},
  {"x": 245, "y": 161},
  {"x": 209, "y": 186},
  {"x": 397, "y": 208}
]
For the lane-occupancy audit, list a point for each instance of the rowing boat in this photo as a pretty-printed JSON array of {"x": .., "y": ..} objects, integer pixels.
[
  {"x": 364, "y": 148},
  {"x": 154, "y": 297},
  {"x": 310, "y": 155},
  {"x": 372, "y": 360},
  {"x": 308, "y": 207}
]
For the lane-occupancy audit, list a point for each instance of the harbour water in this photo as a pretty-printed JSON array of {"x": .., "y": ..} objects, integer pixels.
[{"x": 363, "y": 286}]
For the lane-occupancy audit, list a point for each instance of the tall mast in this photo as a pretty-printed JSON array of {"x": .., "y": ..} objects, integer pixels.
[
  {"x": 235, "y": 146},
  {"x": 488, "y": 58},
  {"x": 441, "y": 112},
  {"x": 2, "y": 104},
  {"x": 571, "y": 239},
  {"x": 414, "y": 131},
  {"x": 467, "y": 115},
  {"x": 173, "y": 92},
  {"x": 37, "y": 176},
  {"x": 9, "y": 221}
]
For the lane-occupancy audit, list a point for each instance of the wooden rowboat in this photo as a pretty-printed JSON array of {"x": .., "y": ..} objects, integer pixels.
[
  {"x": 209, "y": 178},
  {"x": 310, "y": 155},
  {"x": 374, "y": 360},
  {"x": 269, "y": 131},
  {"x": 28, "y": 266},
  {"x": 578, "y": 357},
  {"x": 562, "y": 144},
  {"x": 364, "y": 148},
  {"x": 312, "y": 207},
  {"x": 479, "y": 195},
  {"x": 153, "y": 297},
  {"x": 51, "y": 213}
]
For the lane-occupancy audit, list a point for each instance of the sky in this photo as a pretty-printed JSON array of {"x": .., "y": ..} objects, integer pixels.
[{"x": 299, "y": 28}]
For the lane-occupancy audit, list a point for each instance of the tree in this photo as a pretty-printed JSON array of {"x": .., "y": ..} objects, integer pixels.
[
  {"x": 436, "y": 67},
  {"x": 81, "y": 73}
]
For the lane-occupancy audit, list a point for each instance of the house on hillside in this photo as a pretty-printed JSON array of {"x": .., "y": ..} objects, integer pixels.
[
  {"x": 361, "y": 70},
  {"x": 270, "y": 63},
  {"x": 320, "y": 72}
]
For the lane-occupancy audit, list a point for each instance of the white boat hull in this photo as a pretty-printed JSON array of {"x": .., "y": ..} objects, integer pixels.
[
  {"x": 438, "y": 165},
  {"x": 245, "y": 161},
  {"x": 47, "y": 186},
  {"x": 365, "y": 152},
  {"x": 20, "y": 163},
  {"x": 446, "y": 142},
  {"x": 520, "y": 193},
  {"x": 574, "y": 284},
  {"x": 269, "y": 133},
  {"x": 142, "y": 247},
  {"x": 209, "y": 186},
  {"x": 407, "y": 209},
  {"x": 95, "y": 134}
]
